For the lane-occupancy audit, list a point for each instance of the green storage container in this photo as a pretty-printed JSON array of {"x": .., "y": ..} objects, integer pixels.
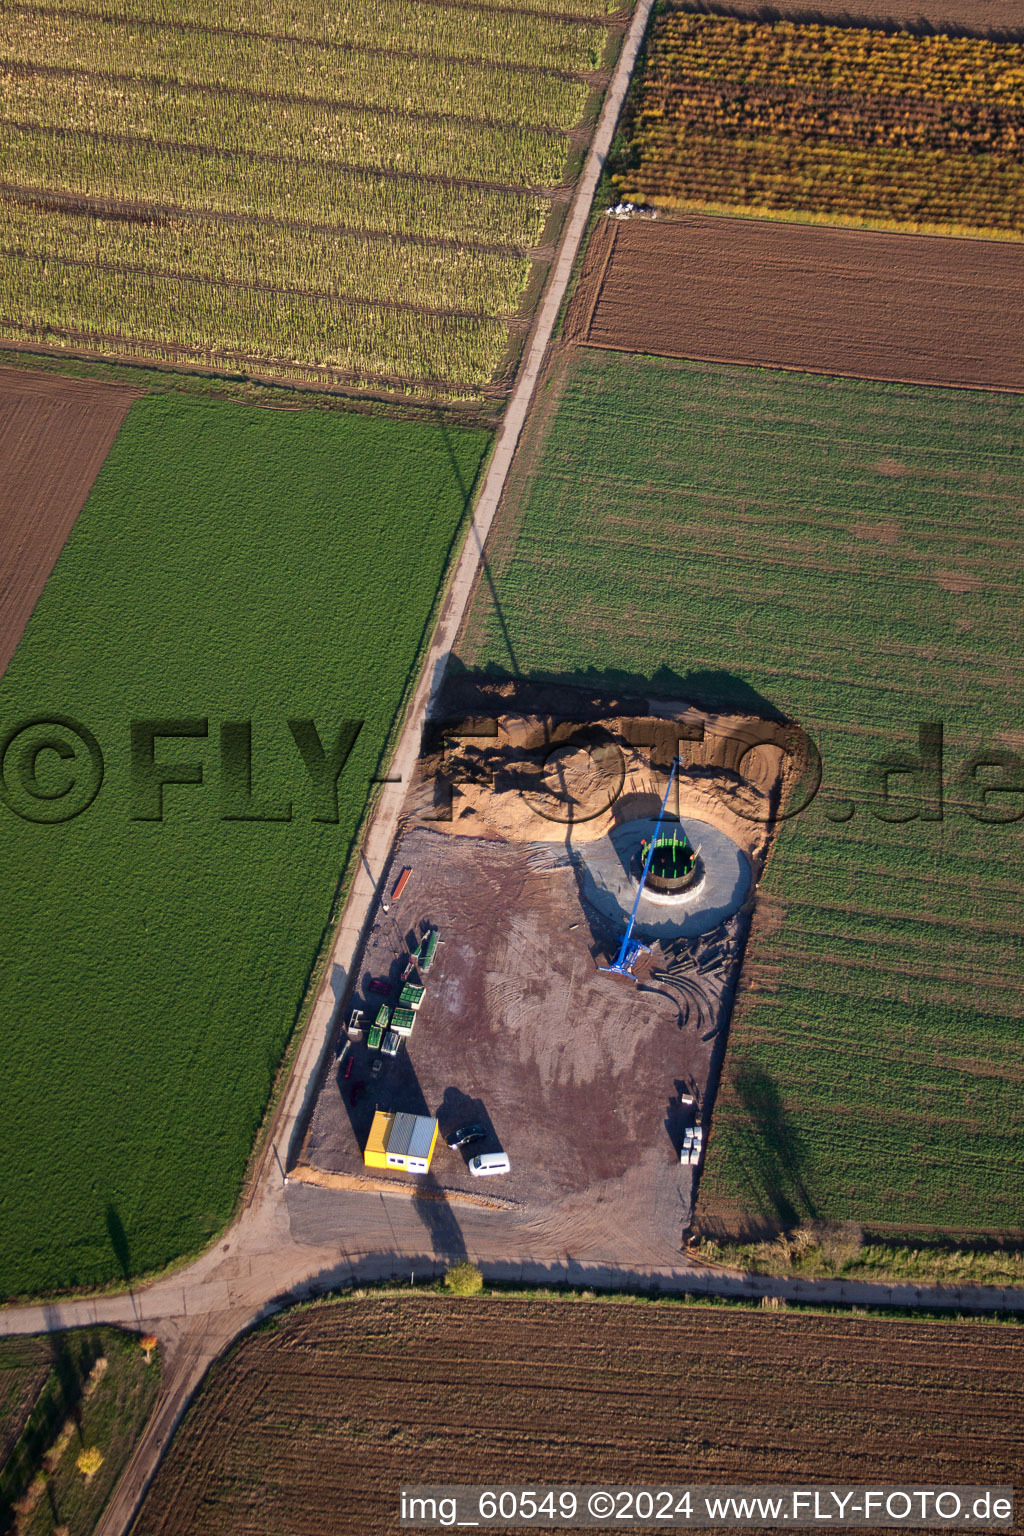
[{"x": 402, "y": 1021}]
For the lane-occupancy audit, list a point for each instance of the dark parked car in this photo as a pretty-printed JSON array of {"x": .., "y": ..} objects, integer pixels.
[
  {"x": 380, "y": 985},
  {"x": 466, "y": 1136}
]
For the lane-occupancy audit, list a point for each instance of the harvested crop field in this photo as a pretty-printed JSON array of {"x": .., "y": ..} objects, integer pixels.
[
  {"x": 913, "y": 129},
  {"x": 912, "y": 308},
  {"x": 54, "y": 435},
  {"x": 317, "y": 1421},
  {"x": 353, "y": 200}
]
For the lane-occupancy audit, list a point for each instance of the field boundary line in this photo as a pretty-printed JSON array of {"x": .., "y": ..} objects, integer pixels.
[
  {"x": 174, "y": 355},
  {"x": 616, "y": 18},
  {"x": 606, "y": 263}
]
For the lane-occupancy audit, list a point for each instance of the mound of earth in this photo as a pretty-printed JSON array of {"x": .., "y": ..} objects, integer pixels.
[{"x": 545, "y": 776}]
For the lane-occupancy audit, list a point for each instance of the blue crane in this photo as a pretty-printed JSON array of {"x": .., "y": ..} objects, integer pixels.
[{"x": 631, "y": 948}]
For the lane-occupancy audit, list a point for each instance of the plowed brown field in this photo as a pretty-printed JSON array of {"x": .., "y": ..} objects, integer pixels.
[
  {"x": 315, "y": 1425},
  {"x": 912, "y": 308},
  {"x": 54, "y": 435},
  {"x": 969, "y": 15}
]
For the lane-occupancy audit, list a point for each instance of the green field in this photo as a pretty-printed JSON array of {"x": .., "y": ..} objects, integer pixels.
[
  {"x": 844, "y": 552},
  {"x": 346, "y": 197},
  {"x": 230, "y": 564}
]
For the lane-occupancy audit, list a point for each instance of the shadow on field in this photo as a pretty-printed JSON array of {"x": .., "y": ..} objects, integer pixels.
[
  {"x": 439, "y": 1219},
  {"x": 485, "y": 569},
  {"x": 770, "y": 1150},
  {"x": 595, "y": 692},
  {"x": 119, "y": 1242},
  {"x": 72, "y": 1355}
]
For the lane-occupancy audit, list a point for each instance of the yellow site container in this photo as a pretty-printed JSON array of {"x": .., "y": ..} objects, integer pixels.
[
  {"x": 411, "y": 1142},
  {"x": 375, "y": 1154}
]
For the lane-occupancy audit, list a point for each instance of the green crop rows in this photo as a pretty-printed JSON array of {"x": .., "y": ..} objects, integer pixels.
[
  {"x": 230, "y": 564},
  {"x": 842, "y": 551},
  {"x": 403, "y": 154}
]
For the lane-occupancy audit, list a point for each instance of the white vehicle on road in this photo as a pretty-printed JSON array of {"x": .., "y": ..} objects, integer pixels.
[{"x": 489, "y": 1162}]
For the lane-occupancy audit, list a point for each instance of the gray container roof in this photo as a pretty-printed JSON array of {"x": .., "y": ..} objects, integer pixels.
[
  {"x": 401, "y": 1134},
  {"x": 422, "y": 1136}
]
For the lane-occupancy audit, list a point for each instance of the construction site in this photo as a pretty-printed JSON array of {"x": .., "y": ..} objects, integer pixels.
[{"x": 553, "y": 959}]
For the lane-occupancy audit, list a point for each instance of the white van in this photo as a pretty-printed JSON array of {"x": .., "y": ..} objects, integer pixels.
[{"x": 489, "y": 1162}]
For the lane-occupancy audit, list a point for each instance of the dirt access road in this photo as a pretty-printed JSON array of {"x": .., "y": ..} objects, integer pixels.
[{"x": 299, "y": 1242}]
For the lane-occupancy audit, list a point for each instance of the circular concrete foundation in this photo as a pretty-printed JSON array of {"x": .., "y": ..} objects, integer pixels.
[
  {"x": 609, "y": 880},
  {"x": 671, "y": 872},
  {"x": 672, "y": 898}
]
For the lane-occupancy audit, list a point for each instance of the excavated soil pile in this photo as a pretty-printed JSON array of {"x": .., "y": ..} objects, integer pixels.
[{"x": 579, "y": 773}]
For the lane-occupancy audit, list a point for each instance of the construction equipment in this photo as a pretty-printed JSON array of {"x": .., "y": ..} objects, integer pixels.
[
  {"x": 391, "y": 1042},
  {"x": 374, "y": 1037},
  {"x": 402, "y": 1021},
  {"x": 411, "y": 996},
  {"x": 427, "y": 949}
]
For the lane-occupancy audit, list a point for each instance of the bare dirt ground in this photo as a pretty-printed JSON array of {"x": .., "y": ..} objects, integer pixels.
[
  {"x": 578, "y": 1075},
  {"x": 575, "y": 1074},
  {"x": 588, "y": 767},
  {"x": 914, "y": 308},
  {"x": 996, "y": 16},
  {"x": 317, "y": 1425},
  {"x": 54, "y": 435}
]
